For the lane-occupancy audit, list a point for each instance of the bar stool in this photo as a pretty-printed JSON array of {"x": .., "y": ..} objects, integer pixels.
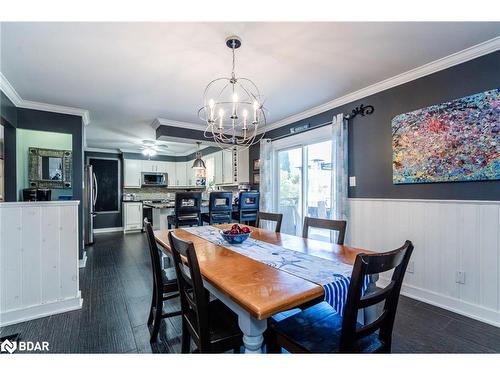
[
  {"x": 248, "y": 206},
  {"x": 187, "y": 210},
  {"x": 220, "y": 208}
]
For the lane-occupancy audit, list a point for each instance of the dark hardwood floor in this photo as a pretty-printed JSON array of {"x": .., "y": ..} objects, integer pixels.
[{"x": 116, "y": 290}]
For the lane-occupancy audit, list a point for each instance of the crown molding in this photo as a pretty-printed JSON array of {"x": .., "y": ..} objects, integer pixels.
[
  {"x": 103, "y": 150},
  {"x": 83, "y": 113},
  {"x": 456, "y": 58},
  {"x": 9, "y": 91},
  {"x": 19, "y": 102},
  {"x": 177, "y": 124}
]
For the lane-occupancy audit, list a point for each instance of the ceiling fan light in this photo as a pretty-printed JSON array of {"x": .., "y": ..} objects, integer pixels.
[{"x": 149, "y": 152}]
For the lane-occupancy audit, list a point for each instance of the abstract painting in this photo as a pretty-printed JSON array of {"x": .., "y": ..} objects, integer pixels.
[{"x": 453, "y": 141}]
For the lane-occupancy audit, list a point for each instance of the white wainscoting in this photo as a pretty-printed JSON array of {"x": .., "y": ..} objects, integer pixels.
[
  {"x": 38, "y": 260},
  {"x": 448, "y": 236}
]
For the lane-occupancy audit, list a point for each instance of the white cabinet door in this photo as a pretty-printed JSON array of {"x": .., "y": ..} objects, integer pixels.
[
  {"x": 132, "y": 216},
  {"x": 218, "y": 167},
  {"x": 210, "y": 171},
  {"x": 243, "y": 166},
  {"x": 227, "y": 166},
  {"x": 170, "y": 170},
  {"x": 162, "y": 166},
  {"x": 132, "y": 173},
  {"x": 180, "y": 173},
  {"x": 149, "y": 166},
  {"x": 189, "y": 173}
]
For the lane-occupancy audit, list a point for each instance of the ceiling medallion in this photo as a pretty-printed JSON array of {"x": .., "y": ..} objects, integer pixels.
[{"x": 233, "y": 108}]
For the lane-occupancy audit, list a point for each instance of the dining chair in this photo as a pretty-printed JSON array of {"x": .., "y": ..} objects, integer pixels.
[
  {"x": 210, "y": 324},
  {"x": 248, "y": 206},
  {"x": 335, "y": 225},
  {"x": 220, "y": 208},
  {"x": 187, "y": 210},
  {"x": 267, "y": 216},
  {"x": 320, "y": 329},
  {"x": 164, "y": 285}
]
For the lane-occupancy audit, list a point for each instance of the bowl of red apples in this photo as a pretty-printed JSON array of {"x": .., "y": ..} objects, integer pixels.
[{"x": 236, "y": 235}]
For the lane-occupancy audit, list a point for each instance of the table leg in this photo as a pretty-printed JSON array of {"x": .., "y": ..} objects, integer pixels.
[{"x": 253, "y": 330}]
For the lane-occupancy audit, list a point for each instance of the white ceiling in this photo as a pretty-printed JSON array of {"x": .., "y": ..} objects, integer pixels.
[{"x": 128, "y": 74}]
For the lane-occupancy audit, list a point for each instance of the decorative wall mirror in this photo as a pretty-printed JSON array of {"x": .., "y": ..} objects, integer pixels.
[{"x": 50, "y": 169}]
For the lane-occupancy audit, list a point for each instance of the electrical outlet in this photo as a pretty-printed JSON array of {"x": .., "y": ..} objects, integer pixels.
[
  {"x": 352, "y": 181},
  {"x": 411, "y": 267},
  {"x": 460, "y": 277}
]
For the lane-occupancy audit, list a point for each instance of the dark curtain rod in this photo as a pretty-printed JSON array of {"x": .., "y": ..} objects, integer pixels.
[{"x": 361, "y": 110}]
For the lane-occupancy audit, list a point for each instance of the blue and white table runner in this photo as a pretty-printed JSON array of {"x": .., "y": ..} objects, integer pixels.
[{"x": 333, "y": 276}]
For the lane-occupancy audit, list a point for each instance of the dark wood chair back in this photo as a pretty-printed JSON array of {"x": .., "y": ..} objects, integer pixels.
[
  {"x": 220, "y": 206},
  {"x": 336, "y": 225},
  {"x": 366, "y": 265},
  {"x": 193, "y": 295},
  {"x": 267, "y": 216},
  {"x": 154, "y": 253}
]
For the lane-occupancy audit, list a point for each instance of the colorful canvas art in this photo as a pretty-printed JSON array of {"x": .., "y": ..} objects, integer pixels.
[{"x": 453, "y": 141}]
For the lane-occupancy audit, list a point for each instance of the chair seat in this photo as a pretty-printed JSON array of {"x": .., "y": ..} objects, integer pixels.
[
  {"x": 318, "y": 329},
  {"x": 223, "y": 325}
]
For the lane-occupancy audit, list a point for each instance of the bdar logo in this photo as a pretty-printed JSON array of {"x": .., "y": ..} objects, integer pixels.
[{"x": 8, "y": 346}]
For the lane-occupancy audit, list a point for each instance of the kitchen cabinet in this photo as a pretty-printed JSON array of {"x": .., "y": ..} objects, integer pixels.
[
  {"x": 154, "y": 166},
  {"x": 148, "y": 166},
  {"x": 227, "y": 166},
  {"x": 132, "y": 216},
  {"x": 180, "y": 173},
  {"x": 243, "y": 162},
  {"x": 189, "y": 173},
  {"x": 210, "y": 171},
  {"x": 218, "y": 168},
  {"x": 132, "y": 173},
  {"x": 169, "y": 168}
]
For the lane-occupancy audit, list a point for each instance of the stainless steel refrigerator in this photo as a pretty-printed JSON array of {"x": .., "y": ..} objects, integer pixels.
[{"x": 89, "y": 199}]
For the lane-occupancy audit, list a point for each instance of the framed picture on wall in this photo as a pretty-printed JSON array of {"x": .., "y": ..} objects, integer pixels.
[
  {"x": 256, "y": 164},
  {"x": 447, "y": 142},
  {"x": 256, "y": 178}
]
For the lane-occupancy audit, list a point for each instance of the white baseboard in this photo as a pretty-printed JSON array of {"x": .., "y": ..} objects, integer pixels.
[
  {"x": 39, "y": 311},
  {"x": 108, "y": 230},
  {"x": 83, "y": 262},
  {"x": 448, "y": 303}
]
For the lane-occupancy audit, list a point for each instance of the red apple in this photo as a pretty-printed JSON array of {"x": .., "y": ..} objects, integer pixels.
[{"x": 245, "y": 230}]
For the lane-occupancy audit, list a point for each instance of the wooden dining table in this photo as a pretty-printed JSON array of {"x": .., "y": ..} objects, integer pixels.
[{"x": 254, "y": 290}]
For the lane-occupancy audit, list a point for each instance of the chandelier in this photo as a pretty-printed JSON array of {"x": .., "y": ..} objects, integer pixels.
[{"x": 233, "y": 108}]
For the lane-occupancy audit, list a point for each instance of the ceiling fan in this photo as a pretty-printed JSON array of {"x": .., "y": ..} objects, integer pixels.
[{"x": 150, "y": 148}]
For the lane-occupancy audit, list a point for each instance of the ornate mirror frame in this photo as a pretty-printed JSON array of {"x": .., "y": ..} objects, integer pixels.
[{"x": 35, "y": 168}]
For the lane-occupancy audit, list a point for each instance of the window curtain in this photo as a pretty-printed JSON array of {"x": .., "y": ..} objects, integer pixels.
[
  {"x": 339, "y": 164},
  {"x": 266, "y": 175}
]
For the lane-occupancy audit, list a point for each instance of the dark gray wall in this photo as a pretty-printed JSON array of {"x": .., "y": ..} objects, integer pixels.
[
  {"x": 370, "y": 137},
  {"x": 8, "y": 111},
  {"x": 59, "y": 123},
  {"x": 8, "y": 118},
  {"x": 108, "y": 220}
]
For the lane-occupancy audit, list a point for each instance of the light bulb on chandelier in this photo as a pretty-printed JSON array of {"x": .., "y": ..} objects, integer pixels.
[{"x": 238, "y": 97}]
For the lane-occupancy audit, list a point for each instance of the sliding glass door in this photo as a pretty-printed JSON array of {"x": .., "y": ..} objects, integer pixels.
[
  {"x": 304, "y": 186},
  {"x": 319, "y": 185},
  {"x": 290, "y": 189}
]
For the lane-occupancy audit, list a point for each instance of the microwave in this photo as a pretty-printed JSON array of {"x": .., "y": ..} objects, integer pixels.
[{"x": 154, "y": 179}]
